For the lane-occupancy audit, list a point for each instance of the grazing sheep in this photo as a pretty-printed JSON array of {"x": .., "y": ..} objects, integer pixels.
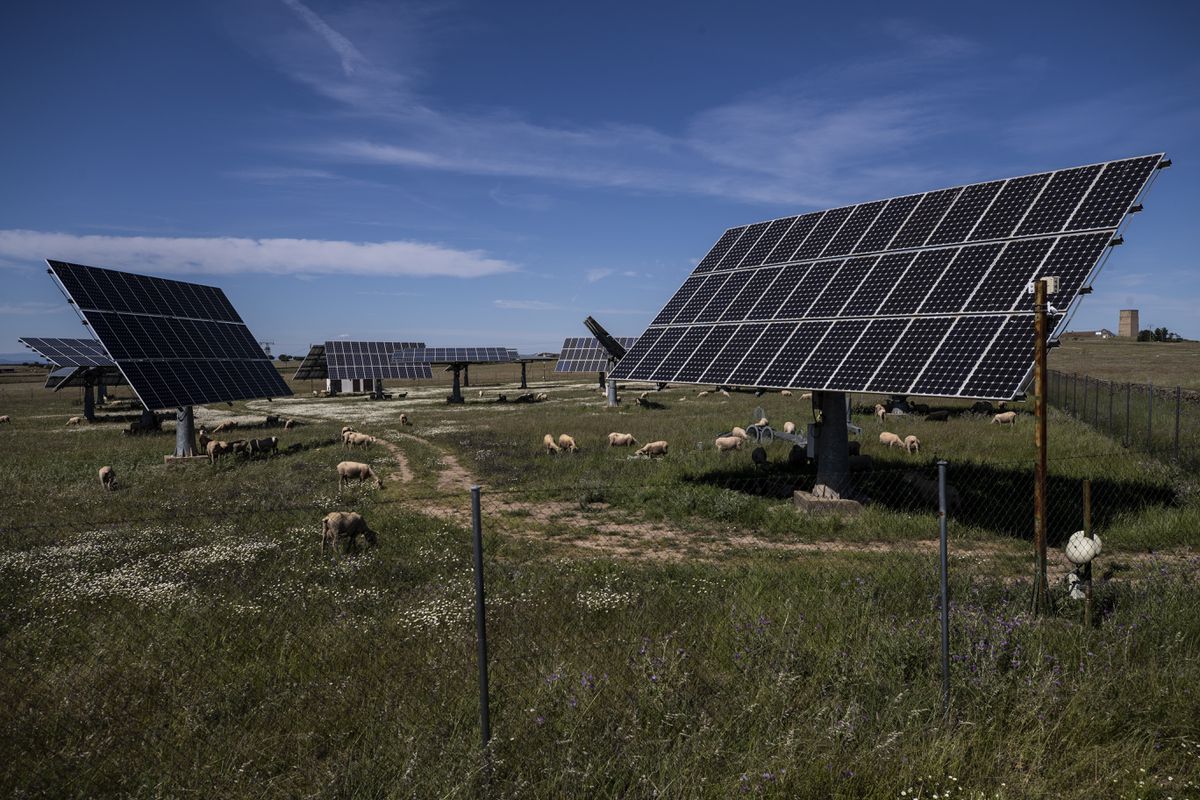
[
  {"x": 227, "y": 425},
  {"x": 356, "y": 471},
  {"x": 203, "y": 439},
  {"x": 1005, "y": 418},
  {"x": 352, "y": 439},
  {"x": 267, "y": 445},
  {"x": 240, "y": 447},
  {"x": 726, "y": 443},
  {"x": 724, "y": 393},
  {"x": 404, "y": 420},
  {"x": 549, "y": 444},
  {"x": 5, "y": 419},
  {"x": 345, "y": 527},
  {"x": 880, "y": 412},
  {"x": 738, "y": 431},
  {"x": 621, "y": 440},
  {"x": 108, "y": 478},
  {"x": 890, "y": 439},
  {"x": 789, "y": 427},
  {"x": 806, "y": 396},
  {"x": 705, "y": 393},
  {"x": 541, "y": 396},
  {"x": 786, "y": 393},
  {"x": 216, "y": 449},
  {"x": 346, "y": 429},
  {"x": 74, "y": 421},
  {"x": 291, "y": 423},
  {"x": 912, "y": 444},
  {"x": 658, "y": 448},
  {"x": 567, "y": 443},
  {"x": 272, "y": 421}
]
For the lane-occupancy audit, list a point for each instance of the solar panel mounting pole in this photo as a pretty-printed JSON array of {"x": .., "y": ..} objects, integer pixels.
[
  {"x": 89, "y": 401},
  {"x": 524, "y": 385},
  {"x": 456, "y": 386},
  {"x": 833, "y": 444},
  {"x": 1041, "y": 587}
]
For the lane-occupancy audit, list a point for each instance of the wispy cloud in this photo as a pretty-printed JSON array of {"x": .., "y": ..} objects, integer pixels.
[
  {"x": 594, "y": 275},
  {"x": 228, "y": 255},
  {"x": 343, "y": 47},
  {"x": 525, "y": 305},
  {"x": 31, "y": 308}
]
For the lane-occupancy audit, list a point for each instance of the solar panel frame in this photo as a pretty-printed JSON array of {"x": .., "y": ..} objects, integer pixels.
[
  {"x": 355, "y": 359},
  {"x": 454, "y": 355},
  {"x": 586, "y": 354},
  {"x": 972, "y": 252},
  {"x": 314, "y": 365},
  {"x": 68, "y": 352},
  {"x": 177, "y": 344}
]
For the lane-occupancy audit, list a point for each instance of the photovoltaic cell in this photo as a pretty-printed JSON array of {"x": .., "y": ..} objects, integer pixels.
[
  {"x": 314, "y": 366},
  {"x": 927, "y": 293},
  {"x": 362, "y": 360},
  {"x": 177, "y": 344},
  {"x": 68, "y": 352},
  {"x": 586, "y": 354}
]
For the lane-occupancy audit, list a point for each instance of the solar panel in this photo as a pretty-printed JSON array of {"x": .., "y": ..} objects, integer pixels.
[
  {"x": 920, "y": 294},
  {"x": 69, "y": 352},
  {"x": 455, "y": 355},
  {"x": 314, "y": 366},
  {"x": 64, "y": 377},
  {"x": 177, "y": 344},
  {"x": 350, "y": 360},
  {"x": 585, "y": 354}
]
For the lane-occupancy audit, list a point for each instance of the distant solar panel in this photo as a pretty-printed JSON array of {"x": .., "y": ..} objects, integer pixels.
[
  {"x": 67, "y": 377},
  {"x": 922, "y": 294},
  {"x": 584, "y": 354},
  {"x": 69, "y": 352},
  {"x": 314, "y": 366},
  {"x": 350, "y": 360},
  {"x": 177, "y": 344},
  {"x": 455, "y": 355}
]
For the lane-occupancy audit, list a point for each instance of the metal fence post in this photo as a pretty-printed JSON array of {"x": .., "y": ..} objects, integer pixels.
[
  {"x": 1074, "y": 392},
  {"x": 1112, "y": 388},
  {"x": 1178, "y": 400},
  {"x": 485, "y": 724},
  {"x": 1150, "y": 417},
  {"x": 1128, "y": 432},
  {"x": 942, "y": 557},
  {"x": 1083, "y": 407},
  {"x": 1096, "y": 403}
]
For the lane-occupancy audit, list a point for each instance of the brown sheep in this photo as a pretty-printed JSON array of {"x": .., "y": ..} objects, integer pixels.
[
  {"x": 216, "y": 449},
  {"x": 346, "y": 429},
  {"x": 345, "y": 527},
  {"x": 203, "y": 439},
  {"x": 108, "y": 478},
  {"x": 356, "y": 471}
]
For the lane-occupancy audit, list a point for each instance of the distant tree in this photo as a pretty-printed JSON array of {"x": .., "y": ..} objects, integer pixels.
[
  {"x": 1146, "y": 336},
  {"x": 284, "y": 357}
]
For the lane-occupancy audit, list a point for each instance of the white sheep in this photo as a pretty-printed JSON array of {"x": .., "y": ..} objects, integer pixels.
[
  {"x": 541, "y": 396},
  {"x": 880, "y": 412},
  {"x": 724, "y": 393},
  {"x": 912, "y": 444},
  {"x": 356, "y": 471},
  {"x": 1005, "y": 418},
  {"x": 567, "y": 443},
  {"x": 786, "y": 393},
  {"x": 726, "y": 443},
  {"x": 74, "y": 421},
  {"x": 705, "y": 393},
  {"x": 4, "y": 419},
  {"x": 789, "y": 427},
  {"x": 739, "y": 432},
  {"x": 108, "y": 478},
  {"x": 550, "y": 445},
  {"x": 353, "y": 439},
  {"x": 621, "y": 440},
  {"x": 890, "y": 439},
  {"x": 346, "y": 527},
  {"x": 762, "y": 423},
  {"x": 806, "y": 396},
  {"x": 658, "y": 448},
  {"x": 346, "y": 429}
]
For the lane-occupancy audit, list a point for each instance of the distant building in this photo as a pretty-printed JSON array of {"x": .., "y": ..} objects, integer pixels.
[
  {"x": 1074, "y": 336},
  {"x": 1129, "y": 323}
]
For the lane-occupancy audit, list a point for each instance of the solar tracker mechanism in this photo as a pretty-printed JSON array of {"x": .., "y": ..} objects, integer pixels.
[
  {"x": 457, "y": 361},
  {"x": 79, "y": 362},
  {"x": 924, "y": 294},
  {"x": 177, "y": 344}
]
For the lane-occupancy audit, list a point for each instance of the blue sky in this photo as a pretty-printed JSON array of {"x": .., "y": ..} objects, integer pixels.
[{"x": 490, "y": 173}]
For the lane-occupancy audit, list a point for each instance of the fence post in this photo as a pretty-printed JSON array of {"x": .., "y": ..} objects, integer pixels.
[
  {"x": 485, "y": 724},
  {"x": 1083, "y": 408},
  {"x": 1096, "y": 404},
  {"x": 1087, "y": 568},
  {"x": 1128, "y": 432},
  {"x": 1178, "y": 399},
  {"x": 1112, "y": 388},
  {"x": 1150, "y": 417},
  {"x": 942, "y": 557},
  {"x": 1074, "y": 392}
]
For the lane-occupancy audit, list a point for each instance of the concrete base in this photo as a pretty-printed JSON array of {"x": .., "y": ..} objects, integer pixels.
[{"x": 810, "y": 503}]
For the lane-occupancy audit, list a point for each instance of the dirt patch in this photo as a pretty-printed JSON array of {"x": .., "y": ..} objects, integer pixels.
[{"x": 452, "y": 477}]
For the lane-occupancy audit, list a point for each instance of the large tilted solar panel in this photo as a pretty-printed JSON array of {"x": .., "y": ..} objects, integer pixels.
[
  {"x": 585, "y": 354},
  {"x": 455, "y": 355},
  {"x": 350, "y": 360},
  {"x": 923, "y": 294},
  {"x": 313, "y": 366},
  {"x": 177, "y": 344},
  {"x": 68, "y": 352}
]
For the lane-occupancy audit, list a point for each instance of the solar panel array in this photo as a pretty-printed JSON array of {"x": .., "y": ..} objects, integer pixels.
[
  {"x": 923, "y": 294},
  {"x": 349, "y": 360},
  {"x": 314, "y": 366},
  {"x": 585, "y": 354},
  {"x": 69, "y": 352},
  {"x": 177, "y": 344},
  {"x": 64, "y": 377},
  {"x": 456, "y": 355}
]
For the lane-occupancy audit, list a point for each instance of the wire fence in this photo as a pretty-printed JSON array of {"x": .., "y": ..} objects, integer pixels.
[
  {"x": 1161, "y": 420},
  {"x": 821, "y": 635}
]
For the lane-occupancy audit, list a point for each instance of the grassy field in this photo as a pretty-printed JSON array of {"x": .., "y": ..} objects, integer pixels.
[
  {"x": 1125, "y": 360},
  {"x": 667, "y": 628}
]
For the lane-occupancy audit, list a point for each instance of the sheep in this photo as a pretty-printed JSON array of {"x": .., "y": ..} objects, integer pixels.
[
  {"x": 705, "y": 393},
  {"x": 356, "y": 470},
  {"x": 550, "y": 445},
  {"x": 789, "y": 427},
  {"x": 724, "y": 393},
  {"x": 5, "y": 419},
  {"x": 74, "y": 421},
  {"x": 239, "y": 447},
  {"x": 806, "y": 396},
  {"x": 658, "y": 448},
  {"x": 346, "y": 527},
  {"x": 347, "y": 429},
  {"x": 541, "y": 396},
  {"x": 204, "y": 439},
  {"x": 912, "y": 444},
  {"x": 1005, "y": 418},
  {"x": 762, "y": 423},
  {"x": 739, "y": 432},
  {"x": 267, "y": 445},
  {"x": 108, "y": 478},
  {"x": 786, "y": 393},
  {"x": 567, "y": 443},
  {"x": 216, "y": 449},
  {"x": 621, "y": 440},
  {"x": 272, "y": 421},
  {"x": 726, "y": 443},
  {"x": 880, "y": 412},
  {"x": 404, "y": 420},
  {"x": 890, "y": 439},
  {"x": 227, "y": 425},
  {"x": 352, "y": 439},
  {"x": 291, "y": 423}
]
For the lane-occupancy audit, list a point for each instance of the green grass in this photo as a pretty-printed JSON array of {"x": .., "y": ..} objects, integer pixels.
[
  {"x": 1125, "y": 360},
  {"x": 184, "y": 635}
]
